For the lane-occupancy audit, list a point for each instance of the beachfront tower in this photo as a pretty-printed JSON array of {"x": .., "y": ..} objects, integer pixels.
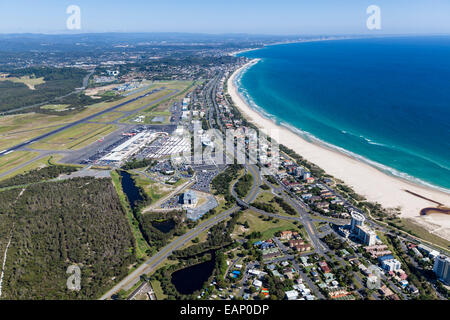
[
  {"x": 357, "y": 221},
  {"x": 442, "y": 268}
]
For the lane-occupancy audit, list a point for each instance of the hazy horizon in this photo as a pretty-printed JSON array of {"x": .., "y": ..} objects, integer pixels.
[
  {"x": 284, "y": 17},
  {"x": 62, "y": 33}
]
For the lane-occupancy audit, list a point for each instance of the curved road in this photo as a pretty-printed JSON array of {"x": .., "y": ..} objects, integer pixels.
[{"x": 129, "y": 281}]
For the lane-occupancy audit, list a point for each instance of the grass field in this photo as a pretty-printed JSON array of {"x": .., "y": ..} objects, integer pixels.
[
  {"x": 40, "y": 163},
  {"x": 141, "y": 245},
  {"x": 15, "y": 129},
  {"x": 409, "y": 226},
  {"x": 15, "y": 159},
  {"x": 179, "y": 182},
  {"x": 76, "y": 137},
  {"x": 183, "y": 87},
  {"x": 156, "y": 285},
  {"x": 154, "y": 190},
  {"x": 9, "y": 138},
  {"x": 108, "y": 117},
  {"x": 267, "y": 228},
  {"x": 266, "y": 197},
  {"x": 26, "y": 80},
  {"x": 201, "y": 238},
  {"x": 149, "y": 118},
  {"x": 319, "y": 224},
  {"x": 145, "y": 101},
  {"x": 157, "y": 116}
]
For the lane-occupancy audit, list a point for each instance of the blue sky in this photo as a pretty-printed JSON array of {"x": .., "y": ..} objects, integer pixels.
[{"x": 230, "y": 16}]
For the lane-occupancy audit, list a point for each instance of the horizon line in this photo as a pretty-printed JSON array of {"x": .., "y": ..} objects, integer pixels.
[{"x": 69, "y": 33}]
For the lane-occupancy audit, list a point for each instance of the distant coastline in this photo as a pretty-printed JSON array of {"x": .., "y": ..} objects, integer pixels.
[
  {"x": 295, "y": 41},
  {"x": 367, "y": 179}
]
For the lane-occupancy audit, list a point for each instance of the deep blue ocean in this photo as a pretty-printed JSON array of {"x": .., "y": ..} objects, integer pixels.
[{"x": 384, "y": 100}]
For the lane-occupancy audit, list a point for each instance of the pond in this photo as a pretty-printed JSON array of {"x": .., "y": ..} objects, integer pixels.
[
  {"x": 130, "y": 189},
  {"x": 164, "y": 226},
  {"x": 192, "y": 278}
]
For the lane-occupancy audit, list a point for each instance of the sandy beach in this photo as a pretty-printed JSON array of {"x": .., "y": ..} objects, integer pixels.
[{"x": 366, "y": 180}]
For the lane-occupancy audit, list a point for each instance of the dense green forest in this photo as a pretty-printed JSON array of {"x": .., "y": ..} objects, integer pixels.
[
  {"x": 267, "y": 207},
  {"x": 218, "y": 241},
  {"x": 37, "y": 175},
  {"x": 285, "y": 206},
  {"x": 156, "y": 238},
  {"x": 221, "y": 182},
  {"x": 136, "y": 164},
  {"x": 75, "y": 102},
  {"x": 57, "y": 224},
  {"x": 244, "y": 185},
  {"x": 58, "y": 82},
  {"x": 218, "y": 237}
]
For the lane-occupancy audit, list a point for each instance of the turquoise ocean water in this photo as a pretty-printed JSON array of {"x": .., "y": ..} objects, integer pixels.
[{"x": 385, "y": 101}]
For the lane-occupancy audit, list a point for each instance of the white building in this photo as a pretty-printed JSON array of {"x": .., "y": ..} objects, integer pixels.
[
  {"x": 357, "y": 220},
  {"x": 367, "y": 235},
  {"x": 255, "y": 272},
  {"x": 112, "y": 72},
  {"x": 362, "y": 232},
  {"x": 391, "y": 265},
  {"x": 442, "y": 268},
  {"x": 291, "y": 295},
  {"x": 189, "y": 199},
  {"x": 129, "y": 147},
  {"x": 433, "y": 254},
  {"x": 257, "y": 283}
]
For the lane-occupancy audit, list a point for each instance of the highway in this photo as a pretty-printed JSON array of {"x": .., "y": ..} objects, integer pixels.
[
  {"x": 302, "y": 218},
  {"x": 150, "y": 265},
  {"x": 129, "y": 281}
]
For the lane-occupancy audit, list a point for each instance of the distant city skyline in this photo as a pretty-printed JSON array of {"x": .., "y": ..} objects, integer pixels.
[{"x": 233, "y": 16}]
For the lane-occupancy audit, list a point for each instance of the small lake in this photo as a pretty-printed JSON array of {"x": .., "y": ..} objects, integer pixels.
[
  {"x": 192, "y": 278},
  {"x": 164, "y": 226},
  {"x": 130, "y": 189}
]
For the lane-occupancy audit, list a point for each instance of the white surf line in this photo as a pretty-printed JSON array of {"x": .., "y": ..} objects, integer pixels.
[{"x": 4, "y": 262}]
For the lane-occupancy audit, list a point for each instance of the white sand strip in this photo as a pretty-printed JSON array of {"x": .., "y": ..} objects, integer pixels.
[{"x": 366, "y": 180}]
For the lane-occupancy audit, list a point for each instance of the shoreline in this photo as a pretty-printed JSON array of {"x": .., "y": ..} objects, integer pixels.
[
  {"x": 334, "y": 38},
  {"x": 370, "y": 182}
]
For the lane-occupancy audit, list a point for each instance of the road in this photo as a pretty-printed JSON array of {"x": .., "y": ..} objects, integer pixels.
[
  {"x": 302, "y": 215},
  {"x": 150, "y": 265},
  {"x": 303, "y": 275},
  {"x": 301, "y": 208},
  {"x": 129, "y": 281},
  {"x": 210, "y": 100}
]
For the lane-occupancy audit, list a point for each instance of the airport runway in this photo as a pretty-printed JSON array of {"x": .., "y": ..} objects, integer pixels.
[{"x": 70, "y": 125}]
